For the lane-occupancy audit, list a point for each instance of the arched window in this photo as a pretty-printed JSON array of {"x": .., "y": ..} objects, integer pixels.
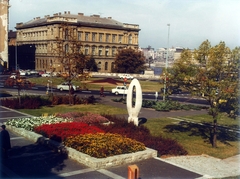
[
  {"x": 66, "y": 48},
  {"x": 107, "y": 51},
  {"x": 99, "y": 65},
  {"x": 106, "y": 66},
  {"x": 93, "y": 50}
]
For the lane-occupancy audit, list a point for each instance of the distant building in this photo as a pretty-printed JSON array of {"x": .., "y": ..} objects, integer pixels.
[
  {"x": 177, "y": 53},
  {"x": 4, "y": 5},
  {"x": 101, "y": 38}
]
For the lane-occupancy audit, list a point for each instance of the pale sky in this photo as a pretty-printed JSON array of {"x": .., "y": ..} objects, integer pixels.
[{"x": 191, "y": 21}]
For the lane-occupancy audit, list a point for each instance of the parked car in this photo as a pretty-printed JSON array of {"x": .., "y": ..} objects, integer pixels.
[
  {"x": 120, "y": 90},
  {"x": 13, "y": 76},
  {"x": 127, "y": 76},
  {"x": 40, "y": 72},
  {"x": 172, "y": 90},
  {"x": 46, "y": 75},
  {"x": 22, "y": 72},
  {"x": 33, "y": 72},
  {"x": 65, "y": 86}
]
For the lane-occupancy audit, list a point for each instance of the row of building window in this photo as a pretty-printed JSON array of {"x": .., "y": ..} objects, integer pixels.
[
  {"x": 87, "y": 50},
  {"x": 45, "y": 64},
  {"x": 83, "y": 36}
]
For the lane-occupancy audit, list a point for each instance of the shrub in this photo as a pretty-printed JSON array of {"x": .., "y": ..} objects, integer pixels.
[
  {"x": 102, "y": 145},
  {"x": 60, "y": 131},
  {"x": 34, "y": 102},
  {"x": 142, "y": 134},
  {"x": 148, "y": 103},
  {"x": 64, "y": 99},
  {"x": 88, "y": 118},
  {"x": 167, "y": 105},
  {"x": 26, "y": 102},
  {"x": 10, "y": 103}
]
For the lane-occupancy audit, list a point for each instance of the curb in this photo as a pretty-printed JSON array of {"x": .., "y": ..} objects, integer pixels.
[{"x": 92, "y": 162}]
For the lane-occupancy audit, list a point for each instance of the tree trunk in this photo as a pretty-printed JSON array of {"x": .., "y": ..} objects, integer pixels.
[
  {"x": 19, "y": 97},
  {"x": 214, "y": 135}
]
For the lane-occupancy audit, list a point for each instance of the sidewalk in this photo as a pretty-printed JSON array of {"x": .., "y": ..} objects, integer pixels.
[
  {"x": 199, "y": 167},
  {"x": 149, "y": 113}
]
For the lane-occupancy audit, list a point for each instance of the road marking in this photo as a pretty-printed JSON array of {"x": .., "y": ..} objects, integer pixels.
[
  {"x": 110, "y": 174},
  {"x": 76, "y": 172},
  {"x": 87, "y": 91}
]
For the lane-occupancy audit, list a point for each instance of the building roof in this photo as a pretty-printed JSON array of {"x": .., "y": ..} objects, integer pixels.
[
  {"x": 79, "y": 19},
  {"x": 12, "y": 34}
]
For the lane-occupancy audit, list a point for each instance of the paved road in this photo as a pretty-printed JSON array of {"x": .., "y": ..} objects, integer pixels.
[{"x": 29, "y": 159}]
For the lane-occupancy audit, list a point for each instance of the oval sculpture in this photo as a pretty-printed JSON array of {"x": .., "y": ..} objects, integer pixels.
[{"x": 134, "y": 111}]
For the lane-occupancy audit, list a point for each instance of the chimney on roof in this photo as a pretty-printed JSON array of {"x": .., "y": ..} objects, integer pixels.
[
  {"x": 65, "y": 12},
  {"x": 59, "y": 13},
  {"x": 55, "y": 14},
  {"x": 109, "y": 17},
  {"x": 68, "y": 12},
  {"x": 94, "y": 15},
  {"x": 80, "y": 14}
]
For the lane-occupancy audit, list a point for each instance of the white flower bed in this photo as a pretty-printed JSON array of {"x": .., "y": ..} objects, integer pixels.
[{"x": 31, "y": 122}]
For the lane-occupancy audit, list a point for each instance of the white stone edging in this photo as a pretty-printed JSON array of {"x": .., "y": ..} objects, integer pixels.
[{"x": 96, "y": 163}]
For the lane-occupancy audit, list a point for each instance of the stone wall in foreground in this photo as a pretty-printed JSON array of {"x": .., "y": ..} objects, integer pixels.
[{"x": 96, "y": 163}]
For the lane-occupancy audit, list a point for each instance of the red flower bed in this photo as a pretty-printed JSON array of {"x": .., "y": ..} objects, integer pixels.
[{"x": 60, "y": 131}]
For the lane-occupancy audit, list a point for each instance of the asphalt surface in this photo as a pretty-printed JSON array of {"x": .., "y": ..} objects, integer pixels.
[{"x": 28, "y": 159}]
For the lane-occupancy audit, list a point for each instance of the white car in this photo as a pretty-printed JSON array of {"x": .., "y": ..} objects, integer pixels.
[
  {"x": 46, "y": 75},
  {"x": 127, "y": 76},
  {"x": 65, "y": 86},
  {"x": 13, "y": 76},
  {"x": 22, "y": 72},
  {"x": 120, "y": 90}
]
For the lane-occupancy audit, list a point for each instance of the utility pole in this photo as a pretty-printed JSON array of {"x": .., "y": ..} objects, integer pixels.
[{"x": 166, "y": 67}]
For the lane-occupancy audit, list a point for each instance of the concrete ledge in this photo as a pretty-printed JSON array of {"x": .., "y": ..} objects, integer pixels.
[{"x": 96, "y": 163}]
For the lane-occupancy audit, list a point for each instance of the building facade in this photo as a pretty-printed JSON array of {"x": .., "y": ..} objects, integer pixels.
[
  {"x": 101, "y": 38},
  {"x": 4, "y": 5}
]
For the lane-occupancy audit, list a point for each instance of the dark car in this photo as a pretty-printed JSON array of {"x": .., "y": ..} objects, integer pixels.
[{"x": 172, "y": 90}]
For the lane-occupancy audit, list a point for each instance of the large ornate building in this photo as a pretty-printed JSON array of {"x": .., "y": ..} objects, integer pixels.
[
  {"x": 4, "y": 5},
  {"x": 100, "y": 38}
]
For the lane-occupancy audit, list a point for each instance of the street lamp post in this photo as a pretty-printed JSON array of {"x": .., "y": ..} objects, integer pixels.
[
  {"x": 166, "y": 66},
  {"x": 16, "y": 56}
]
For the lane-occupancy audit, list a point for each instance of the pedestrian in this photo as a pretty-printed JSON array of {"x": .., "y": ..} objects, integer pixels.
[
  {"x": 5, "y": 142},
  {"x": 102, "y": 92},
  {"x": 72, "y": 95}
]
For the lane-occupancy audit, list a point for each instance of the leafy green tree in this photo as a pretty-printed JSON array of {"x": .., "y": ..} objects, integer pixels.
[
  {"x": 129, "y": 61},
  {"x": 211, "y": 72},
  {"x": 91, "y": 64}
]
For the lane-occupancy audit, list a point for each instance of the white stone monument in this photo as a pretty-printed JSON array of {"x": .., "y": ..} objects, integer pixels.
[{"x": 133, "y": 111}]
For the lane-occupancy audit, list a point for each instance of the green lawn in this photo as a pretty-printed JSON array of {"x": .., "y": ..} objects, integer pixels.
[
  {"x": 194, "y": 138},
  {"x": 147, "y": 86}
]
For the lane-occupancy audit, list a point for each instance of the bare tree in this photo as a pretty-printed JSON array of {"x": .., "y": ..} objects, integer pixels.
[{"x": 68, "y": 51}]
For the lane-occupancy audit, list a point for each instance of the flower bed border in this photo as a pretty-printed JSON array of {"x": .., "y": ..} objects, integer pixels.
[{"x": 96, "y": 163}]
